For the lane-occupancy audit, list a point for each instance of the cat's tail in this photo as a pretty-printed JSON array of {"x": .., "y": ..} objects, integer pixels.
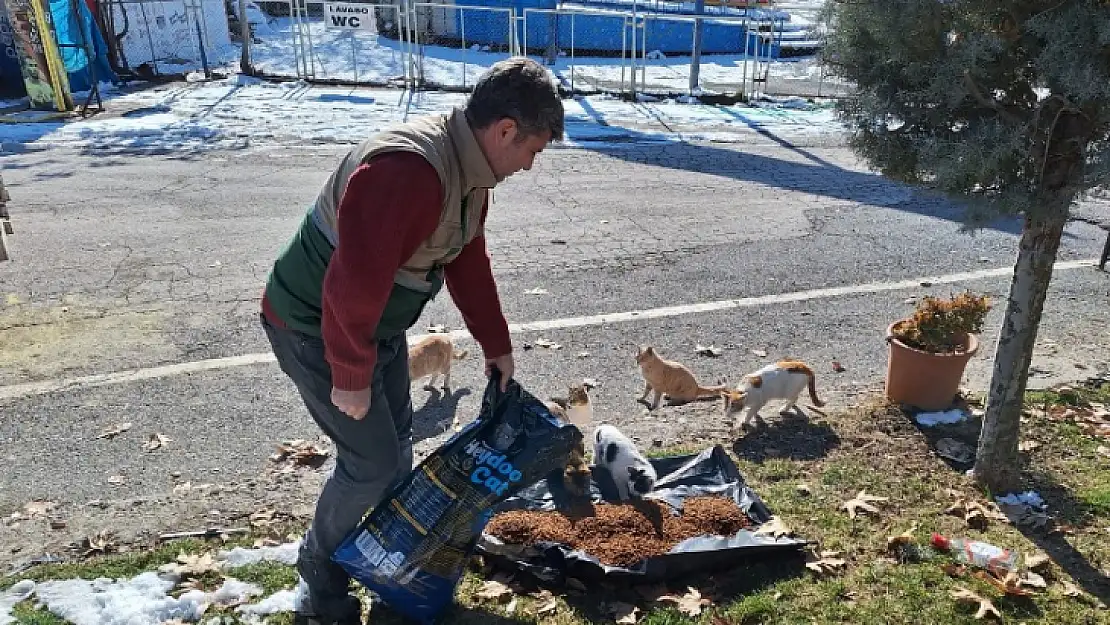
[
  {"x": 813, "y": 388},
  {"x": 711, "y": 391},
  {"x": 462, "y": 353}
]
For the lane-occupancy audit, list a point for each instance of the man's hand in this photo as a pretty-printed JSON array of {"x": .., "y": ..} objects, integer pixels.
[
  {"x": 505, "y": 365},
  {"x": 354, "y": 404}
]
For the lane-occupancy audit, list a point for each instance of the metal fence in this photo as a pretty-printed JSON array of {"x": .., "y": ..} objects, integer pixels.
[
  {"x": 590, "y": 46},
  {"x": 166, "y": 37}
]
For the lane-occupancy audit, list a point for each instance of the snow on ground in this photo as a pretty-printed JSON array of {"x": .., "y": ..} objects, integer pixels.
[
  {"x": 240, "y": 111},
  {"x": 372, "y": 59},
  {"x": 146, "y": 600}
]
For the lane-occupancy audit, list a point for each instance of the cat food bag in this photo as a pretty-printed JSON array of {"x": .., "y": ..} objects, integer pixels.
[{"x": 413, "y": 547}]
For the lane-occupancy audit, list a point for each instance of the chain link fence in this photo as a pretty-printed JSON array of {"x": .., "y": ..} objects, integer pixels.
[{"x": 166, "y": 37}]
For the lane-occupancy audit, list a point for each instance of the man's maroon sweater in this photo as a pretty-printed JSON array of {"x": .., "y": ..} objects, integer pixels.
[{"x": 390, "y": 206}]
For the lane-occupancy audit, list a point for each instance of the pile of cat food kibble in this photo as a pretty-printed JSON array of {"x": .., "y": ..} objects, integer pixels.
[{"x": 622, "y": 534}]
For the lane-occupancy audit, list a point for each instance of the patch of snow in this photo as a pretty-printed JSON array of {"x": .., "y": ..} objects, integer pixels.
[
  {"x": 141, "y": 600},
  {"x": 284, "y": 554},
  {"x": 1030, "y": 498},
  {"x": 948, "y": 417},
  {"x": 281, "y": 601},
  {"x": 18, "y": 593}
]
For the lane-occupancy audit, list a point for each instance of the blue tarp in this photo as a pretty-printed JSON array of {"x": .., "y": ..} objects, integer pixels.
[{"x": 69, "y": 25}]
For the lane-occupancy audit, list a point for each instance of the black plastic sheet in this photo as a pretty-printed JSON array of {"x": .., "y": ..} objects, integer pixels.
[{"x": 711, "y": 472}]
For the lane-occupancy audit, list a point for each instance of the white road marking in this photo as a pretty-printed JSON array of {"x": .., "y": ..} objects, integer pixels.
[{"x": 149, "y": 373}]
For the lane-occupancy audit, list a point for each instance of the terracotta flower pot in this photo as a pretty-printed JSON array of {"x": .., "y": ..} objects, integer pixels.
[{"x": 922, "y": 379}]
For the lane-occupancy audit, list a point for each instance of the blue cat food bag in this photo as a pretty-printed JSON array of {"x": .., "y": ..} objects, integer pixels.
[{"x": 413, "y": 547}]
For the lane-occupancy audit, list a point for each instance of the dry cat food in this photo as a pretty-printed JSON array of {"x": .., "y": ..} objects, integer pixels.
[{"x": 622, "y": 534}]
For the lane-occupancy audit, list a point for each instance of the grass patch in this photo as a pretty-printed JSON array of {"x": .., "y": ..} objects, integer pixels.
[
  {"x": 25, "y": 613},
  {"x": 875, "y": 448}
]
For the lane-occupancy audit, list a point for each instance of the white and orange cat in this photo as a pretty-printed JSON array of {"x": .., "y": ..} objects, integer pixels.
[
  {"x": 784, "y": 380},
  {"x": 670, "y": 378},
  {"x": 432, "y": 356}
]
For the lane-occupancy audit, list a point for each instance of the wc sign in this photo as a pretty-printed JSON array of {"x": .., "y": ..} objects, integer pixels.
[{"x": 348, "y": 16}]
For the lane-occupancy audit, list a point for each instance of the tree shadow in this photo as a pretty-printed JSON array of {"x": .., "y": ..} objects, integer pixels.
[
  {"x": 816, "y": 176},
  {"x": 794, "y": 436},
  {"x": 436, "y": 415}
]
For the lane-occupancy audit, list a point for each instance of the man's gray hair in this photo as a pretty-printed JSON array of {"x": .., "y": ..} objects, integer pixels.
[{"x": 522, "y": 90}]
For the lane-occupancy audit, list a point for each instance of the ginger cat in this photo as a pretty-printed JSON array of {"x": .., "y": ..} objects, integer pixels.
[
  {"x": 577, "y": 410},
  {"x": 783, "y": 380},
  {"x": 432, "y": 356},
  {"x": 670, "y": 378}
]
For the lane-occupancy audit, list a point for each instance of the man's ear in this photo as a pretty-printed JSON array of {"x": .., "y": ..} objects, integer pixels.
[{"x": 505, "y": 129}]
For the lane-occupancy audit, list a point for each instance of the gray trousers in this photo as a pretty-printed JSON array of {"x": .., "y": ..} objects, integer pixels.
[{"x": 372, "y": 454}]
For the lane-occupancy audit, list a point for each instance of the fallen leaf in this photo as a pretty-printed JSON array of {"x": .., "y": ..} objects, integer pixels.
[
  {"x": 759, "y": 352},
  {"x": 583, "y": 354},
  {"x": 547, "y": 344},
  {"x": 117, "y": 480},
  {"x": 862, "y": 501},
  {"x": 437, "y": 329},
  {"x": 624, "y": 613},
  {"x": 905, "y": 538},
  {"x": 191, "y": 565},
  {"x": 1011, "y": 585},
  {"x": 156, "y": 441},
  {"x": 708, "y": 350},
  {"x": 826, "y": 564},
  {"x": 494, "y": 590},
  {"x": 114, "y": 431},
  {"x": 509, "y": 609},
  {"x": 549, "y": 606},
  {"x": 536, "y": 291},
  {"x": 774, "y": 528},
  {"x": 1033, "y": 580},
  {"x": 300, "y": 453},
  {"x": 690, "y": 604},
  {"x": 837, "y": 367},
  {"x": 1071, "y": 590},
  {"x": 101, "y": 543},
  {"x": 263, "y": 518},
  {"x": 986, "y": 608},
  {"x": 803, "y": 489},
  {"x": 1039, "y": 562},
  {"x": 1027, "y": 446},
  {"x": 953, "y": 569}
]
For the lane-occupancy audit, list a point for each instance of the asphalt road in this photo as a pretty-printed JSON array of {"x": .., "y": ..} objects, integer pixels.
[{"x": 147, "y": 261}]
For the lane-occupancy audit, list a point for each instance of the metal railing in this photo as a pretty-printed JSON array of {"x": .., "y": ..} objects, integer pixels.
[{"x": 589, "y": 49}]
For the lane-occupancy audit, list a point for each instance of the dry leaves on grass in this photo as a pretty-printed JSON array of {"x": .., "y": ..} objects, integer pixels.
[
  {"x": 300, "y": 453},
  {"x": 494, "y": 590},
  {"x": 190, "y": 567},
  {"x": 825, "y": 563},
  {"x": 690, "y": 604},
  {"x": 862, "y": 502},
  {"x": 973, "y": 513},
  {"x": 1010, "y": 585},
  {"x": 622, "y": 613},
  {"x": 114, "y": 431},
  {"x": 986, "y": 608},
  {"x": 156, "y": 441},
  {"x": 1038, "y": 562},
  {"x": 774, "y": 528}
]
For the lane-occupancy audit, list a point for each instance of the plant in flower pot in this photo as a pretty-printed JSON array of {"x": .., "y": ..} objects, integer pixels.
[{"x": 930, "y": 349}]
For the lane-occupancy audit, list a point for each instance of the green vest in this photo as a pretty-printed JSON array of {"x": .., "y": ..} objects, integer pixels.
[{"x": 295, "y": 284}]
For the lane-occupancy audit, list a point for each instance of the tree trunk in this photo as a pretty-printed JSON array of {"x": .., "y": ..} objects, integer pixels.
[{"x": 996, "y": 463}]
